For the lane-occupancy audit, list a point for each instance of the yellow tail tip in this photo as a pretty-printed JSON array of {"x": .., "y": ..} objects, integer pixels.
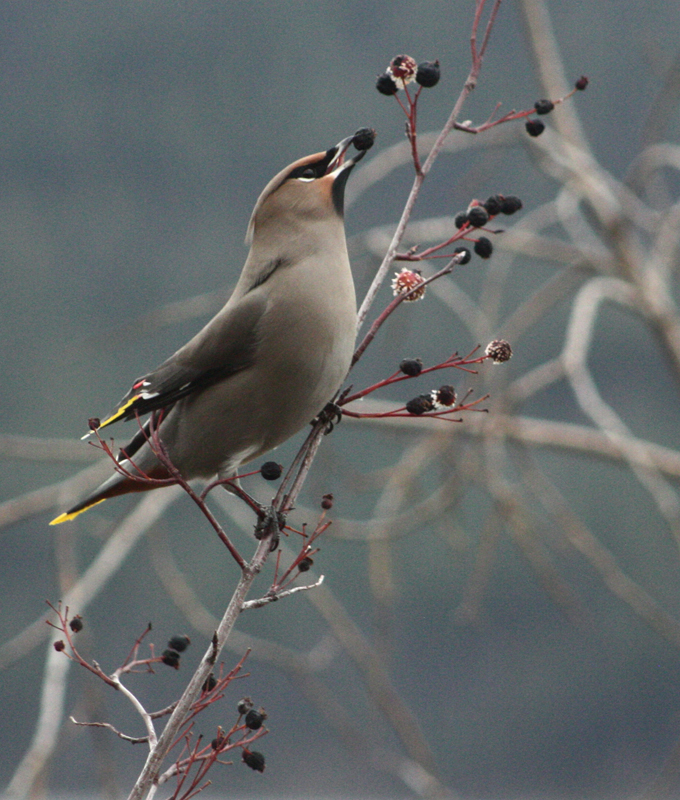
[{"x": 66, "y": 516}]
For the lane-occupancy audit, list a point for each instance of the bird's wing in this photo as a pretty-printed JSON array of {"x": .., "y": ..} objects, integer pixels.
[{"x": 226, "y": 345}]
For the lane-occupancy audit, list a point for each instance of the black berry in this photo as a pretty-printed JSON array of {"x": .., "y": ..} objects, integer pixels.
[
  {"x": 483, "y": 247},
  {"x": 385, "y": 84},
  {"x": 179, "y": 643},
  {"x": 544, "y": 106},
  {"x": 465, "y": 257},
  {"x": 327, "y": 501},
  {"x": 428, "y": 74},
  {"x": 219, "y": 740},
  {"x": 411, "y": 366},
  {"x": 244, "y": 705},
  {"x": 170, "y": 658},
  {"x": 493, "y": 204},
  {"x": 534, "y": 127},
  {"x": 76, "y": 624},
  {"x": 364, "y": 138},
  {"x": 271, "y": 471},
  {"x": 510, "y": 204},
  {"x": 478, "y": 216},
  {"x": 254, "y": 719},
  {"x": 253, "y": 759},
  {"x": 420, "y": 405},
  {"x": 460, "y": 219}
]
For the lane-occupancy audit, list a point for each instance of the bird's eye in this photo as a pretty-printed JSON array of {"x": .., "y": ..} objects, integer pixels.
[{"x": 307, "y": 175}]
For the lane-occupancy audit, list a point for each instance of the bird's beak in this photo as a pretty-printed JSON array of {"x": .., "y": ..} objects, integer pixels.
[{"x": 338, "y": 154}]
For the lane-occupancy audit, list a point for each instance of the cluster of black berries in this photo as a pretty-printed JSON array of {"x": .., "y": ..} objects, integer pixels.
[
  {"x": 535, "y": 127},
  {"x": 176, "y": 645},
  {"x": 253, "y": 720},
  {"x": 76, "y": 625},
  {"x": 498, "y": 351},
  {"x": 437, "y": 398},
  {"x": 478, "y": 215},
  {"x": 444, "y": 396},
  {"x": 252, "y": 759},
  {"x": 404, "y": 70}
]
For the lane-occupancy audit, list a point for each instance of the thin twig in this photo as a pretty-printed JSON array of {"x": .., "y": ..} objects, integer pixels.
[
  {"x": 109, "y": 726},
  {"x": 470, "y": 83},
  {"x": 263, "y": 601}
]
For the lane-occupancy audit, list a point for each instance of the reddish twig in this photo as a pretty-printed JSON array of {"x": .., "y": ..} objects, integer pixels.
[
  {"x": 470, "y": 83},
  {"x": 398, "y": 300},
  {"x": 307, "y": 551},
  {"x": 74, "y": 655},
  {"x": 453, "y": 362},
  {"x": 441, "y": 414},
  {"x": 510, "y": 116},
  {"x": 161, "y": 453}
]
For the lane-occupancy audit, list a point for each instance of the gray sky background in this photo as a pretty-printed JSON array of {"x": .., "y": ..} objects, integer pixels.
[{"x": 135, "y": 138}]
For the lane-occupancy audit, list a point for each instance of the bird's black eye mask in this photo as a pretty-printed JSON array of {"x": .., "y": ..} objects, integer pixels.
[
  {"x": 313, "y": 170},
  {"x": 318, "y": 169}
]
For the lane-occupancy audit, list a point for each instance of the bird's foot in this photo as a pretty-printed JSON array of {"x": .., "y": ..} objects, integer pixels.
[
  {"x": 330, "y": 417},
  {"x": 270, "y": 522}
]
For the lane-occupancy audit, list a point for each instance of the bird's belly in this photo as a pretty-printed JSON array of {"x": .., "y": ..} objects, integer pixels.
[{"x": 259, "y": 408}]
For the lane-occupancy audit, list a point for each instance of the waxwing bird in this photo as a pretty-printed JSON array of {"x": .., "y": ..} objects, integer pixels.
[{"x": 277, "y": 352}]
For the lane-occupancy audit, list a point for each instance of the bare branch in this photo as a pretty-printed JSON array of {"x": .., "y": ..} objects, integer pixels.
[
  {"x": 263, "y": 601},
  {"x": 108, "y": 726}
]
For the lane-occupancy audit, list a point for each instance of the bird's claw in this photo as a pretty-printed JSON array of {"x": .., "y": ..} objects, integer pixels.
[
  {"x": 269, "y": 523},
  {"x": 330, "y": 417}
]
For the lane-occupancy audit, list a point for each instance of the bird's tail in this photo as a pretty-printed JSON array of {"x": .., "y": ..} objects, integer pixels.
[
  {"x": 72, "y": 513},
  {"x": 115, "y": 486}
]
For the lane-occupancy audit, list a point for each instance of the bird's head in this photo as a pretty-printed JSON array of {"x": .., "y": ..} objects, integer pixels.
[{"x": 312, "y": 188}]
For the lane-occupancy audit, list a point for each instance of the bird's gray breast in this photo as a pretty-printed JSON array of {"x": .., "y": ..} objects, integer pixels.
[{"x": 304, "y": 344}]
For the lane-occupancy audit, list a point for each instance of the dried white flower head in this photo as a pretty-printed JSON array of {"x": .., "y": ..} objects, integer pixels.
[
  {"x": 406, "y": 280},
  {"x": 499, "y": 351},
  {"x": 444, "y": 396},
  {"x": 403, "y": 70}
]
